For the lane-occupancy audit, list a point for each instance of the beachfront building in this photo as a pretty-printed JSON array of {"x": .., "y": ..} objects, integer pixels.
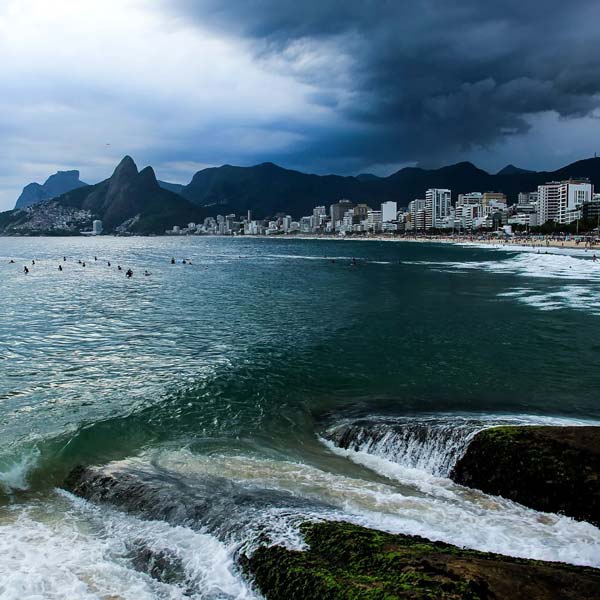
[
  {"x": 374, "y": 221},
  {"x": 493, "y": 202},
  {"x": 472, "y": 198},
  {"x": 416, "y": 213},
  {"x": 469, "y": 216},
  {"x": 337, "y": 212},
  {"x": 389, "y": 212},
  {"x": 437, "y": 208},
  {"x": 97, "y": 227},
  {"x": 562, "y": 201}
]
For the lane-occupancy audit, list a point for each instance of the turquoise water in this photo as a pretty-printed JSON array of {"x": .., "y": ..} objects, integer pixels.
[{"x": 233, "y": 365}]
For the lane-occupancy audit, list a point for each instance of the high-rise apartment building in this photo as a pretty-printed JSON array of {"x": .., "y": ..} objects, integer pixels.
[{"x": 437, "y": 208}]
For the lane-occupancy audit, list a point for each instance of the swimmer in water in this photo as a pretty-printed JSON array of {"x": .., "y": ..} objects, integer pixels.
[
  {"x": 119, "y": 268},
  {"x": 109, "y": 263},
  {"x": 173, "y": 260},
  {"x": 147, "y": 273},
  {"x": 25, "y": 270},
  {"x": 60, "y": 267},
  {"x": 129, "y": 273},
  {"x": 11, "y": 262},
  {"x": 33, "y": 262},
  {"x": 594, "y": 258}
]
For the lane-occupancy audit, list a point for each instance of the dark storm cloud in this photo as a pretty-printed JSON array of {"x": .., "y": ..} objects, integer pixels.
[{"x": 423, "y": 80}]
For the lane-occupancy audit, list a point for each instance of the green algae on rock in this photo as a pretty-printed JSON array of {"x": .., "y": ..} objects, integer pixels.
[
  {"x": 552, "y": 469},
  {"x": 348, "y": 562}
]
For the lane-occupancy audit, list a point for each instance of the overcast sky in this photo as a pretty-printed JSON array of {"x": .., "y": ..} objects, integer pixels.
[{"x": 344, "y": 86}]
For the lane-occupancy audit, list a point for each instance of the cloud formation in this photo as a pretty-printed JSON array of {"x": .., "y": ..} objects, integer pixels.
[
  {"x": 321, "y": 85},
  {"x": 428, "y": 79}
]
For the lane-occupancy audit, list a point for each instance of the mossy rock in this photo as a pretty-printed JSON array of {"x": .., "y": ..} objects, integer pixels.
[
  {"x": 348, "y": 562},
  {"x": 552, "y": 469}
]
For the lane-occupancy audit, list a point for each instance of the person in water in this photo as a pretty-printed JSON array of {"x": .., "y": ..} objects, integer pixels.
[
  {"x": 594, "y": 258},
  {"x": 172, "y": 260},
  {"x": 119, "y": 268},
  {"x": 33, "y": 262},
  {"x": 184, "y": 261},
  {"x": 25, "y": 270},
  {"x": 109, "y": 263},
  {"x": 129, "y": 273},
  {"x": 83, "y": 264},
  {"x": 11, "y": 262},
  {"x": 60, "y": 267},
  {"x": 147, "y": 273},
  {"x": 64, "y": 259}
]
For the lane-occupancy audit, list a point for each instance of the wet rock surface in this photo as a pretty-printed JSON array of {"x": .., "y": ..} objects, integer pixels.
[
  {"x": 348, "y": 562},
  {"x": 551, "y": 469}
]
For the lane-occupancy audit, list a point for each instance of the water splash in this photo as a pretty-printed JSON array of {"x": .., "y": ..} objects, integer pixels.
[
  {"x": 14, "y": 475},
  {"x": 432, "y": 444}
]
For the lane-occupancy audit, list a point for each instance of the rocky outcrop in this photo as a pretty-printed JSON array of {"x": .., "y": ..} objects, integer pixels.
[
  {"x": 57, "y": 184},
  {"x": 347, "y": 562},
  {"x": 551, "y": 469},
  {"x": 207, "y": 502}
]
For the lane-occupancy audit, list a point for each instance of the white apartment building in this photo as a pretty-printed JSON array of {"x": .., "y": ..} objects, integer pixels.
[
  {"x": 437, "y": 208},
  {"x": 389, "y": 211},
  {"x": 469, "y": 216},
  {"x": 416, "y": 210},
  {"x": 562, "y": 201},
  {"x": 374, "y": 220}
]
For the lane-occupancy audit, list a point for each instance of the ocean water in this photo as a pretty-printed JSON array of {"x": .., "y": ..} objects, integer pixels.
[{"x": 222, "y": 383}]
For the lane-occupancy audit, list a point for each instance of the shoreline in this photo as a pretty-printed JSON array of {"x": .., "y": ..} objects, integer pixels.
[
  {"x": 521, "y": 244},
  {"x": 527, "y": 244}
]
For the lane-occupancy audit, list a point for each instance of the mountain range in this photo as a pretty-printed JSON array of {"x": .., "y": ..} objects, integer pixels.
[
  {"x": 267, "y": 189},
  {"x": 135, "y": 201}
]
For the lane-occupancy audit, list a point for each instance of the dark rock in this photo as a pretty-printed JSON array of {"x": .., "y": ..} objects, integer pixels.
[
  {"x": 552, "y": 469},
  {"x": 159, "y": 564},
  {"x": 57, "y": 184},
  {"x": 347, "y": 562},
  {"x": 214, "y": 504}
]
